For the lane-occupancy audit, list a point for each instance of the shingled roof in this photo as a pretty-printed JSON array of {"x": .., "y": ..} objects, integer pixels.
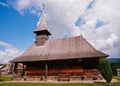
[
  {"x": 58, "y": 49},
  {"x": 42, "y": 25}
]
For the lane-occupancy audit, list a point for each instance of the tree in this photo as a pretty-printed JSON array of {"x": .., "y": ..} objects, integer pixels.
[
  {"x": 105, "y": 69},
  {"x": 114, "y": 68},
  {"x": 118, "y": 64}
]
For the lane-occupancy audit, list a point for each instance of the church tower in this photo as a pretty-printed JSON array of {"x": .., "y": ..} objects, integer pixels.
[{"x": 42, "y": 33}]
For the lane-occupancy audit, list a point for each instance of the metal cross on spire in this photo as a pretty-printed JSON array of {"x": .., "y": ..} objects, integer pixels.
[{"x": 43, "y": 6}]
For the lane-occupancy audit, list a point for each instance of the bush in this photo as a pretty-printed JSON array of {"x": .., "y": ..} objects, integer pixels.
[
  {"x": 105, "y": 69},
  {"x": 5, "y": 78},
  {"x": 114, "y": 68}
]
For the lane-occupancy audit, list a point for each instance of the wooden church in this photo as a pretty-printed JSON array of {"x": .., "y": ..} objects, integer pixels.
[{"x": 57, "y": 59}]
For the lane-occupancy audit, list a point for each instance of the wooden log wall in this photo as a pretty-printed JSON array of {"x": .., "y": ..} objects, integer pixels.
[{"x": 54, "y": 71}]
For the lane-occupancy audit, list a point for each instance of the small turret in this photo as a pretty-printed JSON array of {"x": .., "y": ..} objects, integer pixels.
[{"x": 42, "y": 32}]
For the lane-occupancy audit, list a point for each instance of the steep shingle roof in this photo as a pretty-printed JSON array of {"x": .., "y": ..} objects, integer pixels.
[
  {"x": 42, "y": 25},
  {"x": 57, "y": 49}
]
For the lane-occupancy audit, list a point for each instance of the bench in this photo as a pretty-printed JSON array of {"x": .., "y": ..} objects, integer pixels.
[{"x": 63, "y": 77}]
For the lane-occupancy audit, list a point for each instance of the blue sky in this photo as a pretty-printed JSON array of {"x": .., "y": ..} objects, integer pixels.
[
  {"x": 98, "y": 20},
  {"x": 17, "y": 29}
]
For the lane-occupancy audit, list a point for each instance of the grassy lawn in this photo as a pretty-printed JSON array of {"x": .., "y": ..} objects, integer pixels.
[
  {"x": 58, "y": 84},
  {"x": 3, "y": 82},
  {"x": 117, "y": 77},
  {"x": 5, "y": 78}
]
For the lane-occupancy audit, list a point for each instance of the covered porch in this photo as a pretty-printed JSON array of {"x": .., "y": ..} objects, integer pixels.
[{"x": 72, "y": 69}]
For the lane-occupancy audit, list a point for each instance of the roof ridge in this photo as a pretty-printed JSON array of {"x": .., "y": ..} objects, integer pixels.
[{"x": 66, "y": 38}]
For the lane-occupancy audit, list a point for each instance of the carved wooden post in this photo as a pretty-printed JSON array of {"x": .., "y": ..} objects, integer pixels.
[
  {"x": 15, "y": 67},
  {"x": 46, "y": 72},
  {"x": 23, "y": 71}
]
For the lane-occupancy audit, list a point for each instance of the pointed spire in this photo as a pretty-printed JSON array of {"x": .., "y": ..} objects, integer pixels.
[
  {"x": 42, "y": 27},
  {"x": 43, "y": 7}
]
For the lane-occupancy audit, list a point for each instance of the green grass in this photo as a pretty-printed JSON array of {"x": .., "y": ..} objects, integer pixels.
[
  {"x": 117, "y": 77},
  {"x": 59, "y": 84},
  {"x": 5, "y": 78},
  {"x": 115, "y": 84}
]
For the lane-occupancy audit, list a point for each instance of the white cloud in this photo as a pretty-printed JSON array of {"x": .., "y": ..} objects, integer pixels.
[
  {"x": 23, "y": 6},
  {"x": 107, "y": 43},
  {"x": 62, "y": 15},
  {"x": 8, "y": 53},
  {"x": 5, "y": 44},
  {"x": 4, "y": 4},
  {"x": 107, "y": 37}
]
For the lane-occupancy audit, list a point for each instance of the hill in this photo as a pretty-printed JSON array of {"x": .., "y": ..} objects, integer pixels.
[{"x": 114, "y": 59}]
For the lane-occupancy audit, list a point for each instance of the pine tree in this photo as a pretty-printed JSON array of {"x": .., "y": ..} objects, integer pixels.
[{"x": 105, "y": 69}]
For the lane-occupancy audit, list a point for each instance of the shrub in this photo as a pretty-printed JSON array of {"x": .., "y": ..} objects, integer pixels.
[
  {"x": 105, "y": 69},
  {"x": 5, "y": 78}
]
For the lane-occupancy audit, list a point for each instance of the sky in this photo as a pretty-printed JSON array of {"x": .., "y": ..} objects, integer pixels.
[{"x": 97, "y": 20}]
